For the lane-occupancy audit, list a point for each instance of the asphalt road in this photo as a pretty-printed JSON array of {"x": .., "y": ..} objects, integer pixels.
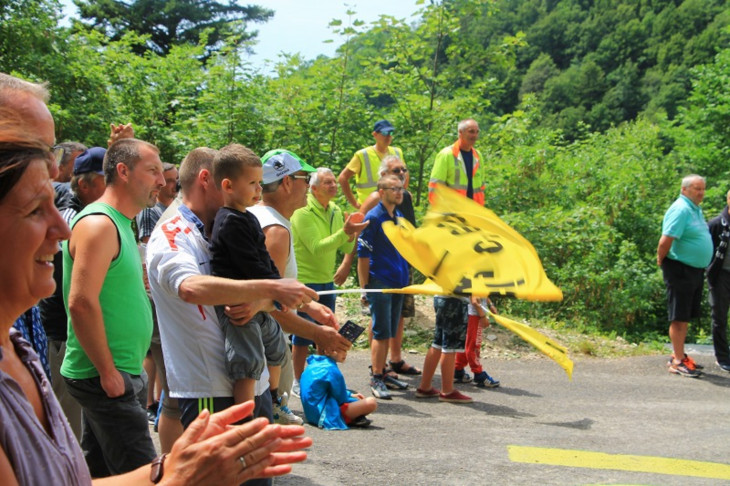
[{"x": 521, "y": 432}]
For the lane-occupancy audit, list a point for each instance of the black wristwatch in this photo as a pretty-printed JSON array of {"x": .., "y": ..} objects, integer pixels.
[{"x": 158, "y": 468}]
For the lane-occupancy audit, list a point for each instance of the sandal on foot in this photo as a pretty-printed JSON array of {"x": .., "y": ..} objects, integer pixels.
[
  {"x": 404, "y": 368},
  {"x": 394, "y": 383}
]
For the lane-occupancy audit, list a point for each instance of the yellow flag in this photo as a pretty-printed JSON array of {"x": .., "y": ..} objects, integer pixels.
[
  {"x": 549, "y": 347},
  {"x": 467, "y": 250}
]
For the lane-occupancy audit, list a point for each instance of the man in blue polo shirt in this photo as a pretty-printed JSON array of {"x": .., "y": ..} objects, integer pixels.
[
  {"x": 685, "y": 249},
  {"x": 380, "y": 266}
]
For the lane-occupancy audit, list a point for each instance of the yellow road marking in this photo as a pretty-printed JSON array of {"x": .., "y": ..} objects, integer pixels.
[{"x": 621, "y": 462}]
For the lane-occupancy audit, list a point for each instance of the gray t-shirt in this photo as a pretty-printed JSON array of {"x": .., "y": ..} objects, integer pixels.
[{"x": 36, "y": 457}]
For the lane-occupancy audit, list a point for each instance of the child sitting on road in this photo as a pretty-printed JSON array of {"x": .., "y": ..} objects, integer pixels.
[
  {"x": 478, "y": 321},
  {"x": 327, "y": 402}
]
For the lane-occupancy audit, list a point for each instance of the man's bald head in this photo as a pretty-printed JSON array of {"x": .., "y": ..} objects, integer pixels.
[{"x": 29, "y": 99}]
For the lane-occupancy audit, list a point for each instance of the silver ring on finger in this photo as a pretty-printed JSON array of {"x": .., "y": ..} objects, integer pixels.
[{"x": 242, "y": 460}]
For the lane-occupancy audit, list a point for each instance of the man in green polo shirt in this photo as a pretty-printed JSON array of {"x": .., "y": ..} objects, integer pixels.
[
  {"x": 319, "y": 231},
  {"x": 683, "y": 253}
]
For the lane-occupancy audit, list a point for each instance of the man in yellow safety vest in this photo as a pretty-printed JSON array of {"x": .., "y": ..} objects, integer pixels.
[
  {"x": 366, "y": 162},
  {"x": 459, "y": 165}
]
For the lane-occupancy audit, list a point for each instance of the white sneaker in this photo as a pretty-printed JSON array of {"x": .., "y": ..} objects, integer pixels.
[
  {"x": 283, "y": 415},
  {"x": 296, "y": 389}
]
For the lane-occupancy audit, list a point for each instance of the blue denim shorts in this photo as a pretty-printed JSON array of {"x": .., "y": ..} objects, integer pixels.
[
  {"x": 385, "y": 310},
  {"x": 451, "y": 318}
]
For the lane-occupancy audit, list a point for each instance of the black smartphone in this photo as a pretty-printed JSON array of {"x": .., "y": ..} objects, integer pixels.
[{"x": 351, "y": 331}]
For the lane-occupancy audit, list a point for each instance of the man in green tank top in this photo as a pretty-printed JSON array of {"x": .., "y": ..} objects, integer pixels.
[{"x": 110, "y": 318}]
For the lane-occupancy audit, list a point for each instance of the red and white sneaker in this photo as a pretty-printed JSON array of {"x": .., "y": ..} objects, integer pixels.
[
  {"x": 688, "y": 361},
  {"x": 455, "y": 397},
  {"x": 681, "y": 368}
]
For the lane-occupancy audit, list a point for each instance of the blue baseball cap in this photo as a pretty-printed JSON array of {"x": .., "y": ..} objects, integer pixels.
[
  {"x": 384, "y": 127},
  {"x": 90, "y": 160}
]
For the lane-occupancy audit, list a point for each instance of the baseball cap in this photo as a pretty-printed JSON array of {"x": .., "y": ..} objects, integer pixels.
[
  {"x": 279, "y": 163},
  {"x": 90, "y": 160},
  {"x": 384, "y": 127}
]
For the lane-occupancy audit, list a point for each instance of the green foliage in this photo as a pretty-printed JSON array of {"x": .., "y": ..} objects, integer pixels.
[
  {"x": 591, "y": 112},
  {"x": 27, "y": 31},
  {"x": 593, "y": 212},
  {"x": 597, "y": 64},
  {"x": 170, "y": 23},
  {"x": 706, "y": 141}
]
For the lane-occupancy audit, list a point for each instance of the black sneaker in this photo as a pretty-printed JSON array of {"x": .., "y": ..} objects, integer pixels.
[
  {"x": 483, "y": 380},
  {"x": 461, "y": 376},
  {"x": 152, "y": 413},
  {"x": 361, "y": 421}
]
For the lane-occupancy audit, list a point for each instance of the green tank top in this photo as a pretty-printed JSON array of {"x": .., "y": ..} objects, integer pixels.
[{"x": 124, "y": 304}]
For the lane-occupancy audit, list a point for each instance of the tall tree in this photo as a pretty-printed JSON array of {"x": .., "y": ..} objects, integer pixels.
[
  {"x": 169, "y": 23},
  {"x": 27, "y": 33}
]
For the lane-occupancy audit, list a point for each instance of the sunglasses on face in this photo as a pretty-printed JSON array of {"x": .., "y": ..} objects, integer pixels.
[
  {"x": 399, "y": 170},
  {"x": 306, "y": 178}
]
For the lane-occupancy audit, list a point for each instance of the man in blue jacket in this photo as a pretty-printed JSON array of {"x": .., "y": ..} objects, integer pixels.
[{"x": 380, "y": 266}]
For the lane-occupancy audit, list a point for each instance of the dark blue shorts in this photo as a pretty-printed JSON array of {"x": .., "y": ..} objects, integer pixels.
[
  {"x": 328, "y": 300},
  {"x": 190, "y": 408},
  {"x": 385, "y": 310}
]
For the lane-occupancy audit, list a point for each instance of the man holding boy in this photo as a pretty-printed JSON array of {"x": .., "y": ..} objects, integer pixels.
[
  {"x": 380, "y": 266},
  {"x": 178, "y": 259}
]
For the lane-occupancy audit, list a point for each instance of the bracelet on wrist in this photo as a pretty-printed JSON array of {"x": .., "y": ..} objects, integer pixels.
[{"x": 158, "y": 468}]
